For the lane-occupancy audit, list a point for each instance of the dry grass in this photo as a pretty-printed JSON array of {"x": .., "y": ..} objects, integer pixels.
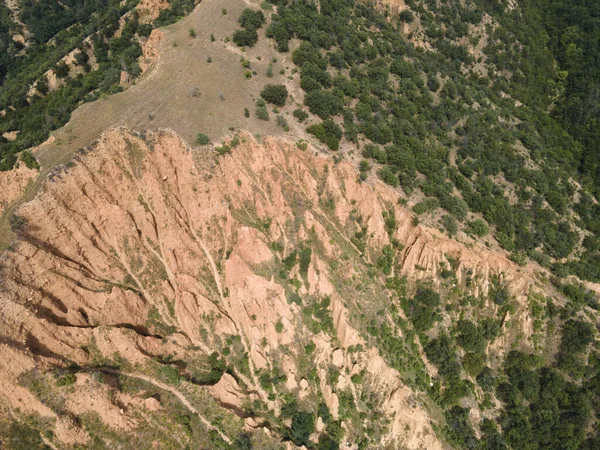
[{"x": 163, "y": 98}]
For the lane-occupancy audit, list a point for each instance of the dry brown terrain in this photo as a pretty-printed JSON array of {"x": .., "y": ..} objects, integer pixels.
[
  {"x": 137, "y": 252},
  {"x": 144, "y": 223}
]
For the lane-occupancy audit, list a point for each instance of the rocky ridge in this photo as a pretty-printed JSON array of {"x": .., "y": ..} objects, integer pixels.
[{"x": 147, "y": 250}]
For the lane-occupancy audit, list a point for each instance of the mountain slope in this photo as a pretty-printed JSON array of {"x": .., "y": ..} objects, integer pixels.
[{"x": 364, "y": 280}]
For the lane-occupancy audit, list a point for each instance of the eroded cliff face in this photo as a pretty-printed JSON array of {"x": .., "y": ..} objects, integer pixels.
[{"x": 146, "y": 257}]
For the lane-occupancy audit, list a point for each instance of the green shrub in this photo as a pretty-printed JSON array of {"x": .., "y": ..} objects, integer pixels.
[
  {"x": 386, "y": 260},
  {"x": 478, "y": 228},
  {"x": 261, "y": 110},
  {"x": 29, "y": 160},
  {"x": 357, "y": 378},
  {"x": 375, "y": 152},
  {"x": 245, "y": 38},
  {"x": 282, "y": 122},
  {"x": 202, "y": 139},
  {"x": 427, "y": 205},
  {"x": 519, "y": 258},
  {"x": 423, "y": 311},
  {"x": 388, "y": 176},
  {"x": 304, "y": 258},
  {"x": 275, "y": 94},
  {"x": 450, "y": 224},
  {"x": 407, "y": 16},
  {"x": 303, "y": 425},
  {"x": 328, "y": 132},
  {"x": 170, "y": 374},
  {"x": 455, "y": 206},
  {"x": 250, "y": 19},
  {"x": 66, "y": 380},
  {"x": 324, "y": 103},
  {"x": 62, "y": 70},
  {"x": 300, "y": 114}
]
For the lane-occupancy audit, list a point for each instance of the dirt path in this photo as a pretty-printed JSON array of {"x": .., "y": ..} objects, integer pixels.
[{"x": 172, "y": 390}]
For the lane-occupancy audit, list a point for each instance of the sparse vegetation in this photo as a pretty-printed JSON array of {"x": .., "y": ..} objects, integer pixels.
[
  {"x": 445, "y": 126},
  {"x": 22, "y": 66},
  {"x": 261, "y": 110}
]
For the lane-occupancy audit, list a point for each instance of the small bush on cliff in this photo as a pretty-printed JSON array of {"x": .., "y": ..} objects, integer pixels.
[
  {"x": 202, "y": 139},
  {"x": 29, "y": 160}
]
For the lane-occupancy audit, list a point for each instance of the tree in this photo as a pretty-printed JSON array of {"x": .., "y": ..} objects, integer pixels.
[
  {"x": 275, "y": 94},
  {"x": 29, "y": 160},
  {"x": 387, "y": 175},
  {"x": 324, "y": 103},
  {"x": 407, "y": 16},
  {"x": 303, "y": 425},
  {"x": 42, "y": 85},
  {"x": 250, "y": 19},
  {"x": 300, "y": 114},
  {"x": 450, "y": 224},
  {"x": 307, "y": 52},
  {"x": 245, "y": 38},
  {"x": 423, "y": 310},
  {"x": 478, "y": 227},
  {"x": 455, "y": 206},
  {"x": 327, "y": 132},
  {"x": 61, "y": 70}
]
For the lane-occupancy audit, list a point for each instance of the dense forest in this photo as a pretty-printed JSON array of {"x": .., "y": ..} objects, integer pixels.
[
  {"x": 497, "y": 141},
  {"x": 516, "y": 143}
]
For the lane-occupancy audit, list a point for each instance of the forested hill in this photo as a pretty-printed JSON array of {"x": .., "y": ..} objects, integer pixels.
[
  {"x": 481, "y": 116},
  {"x": 567, "y": 86},
  {"x": 512, "y": 88},
  {"x": 573, "y": 28},
  {"x": 36, "y": 37}
]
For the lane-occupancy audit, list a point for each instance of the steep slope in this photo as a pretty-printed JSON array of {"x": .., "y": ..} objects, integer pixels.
[
  {"x": 146, "y": 257},
  {"x": 260, "y": 293}
]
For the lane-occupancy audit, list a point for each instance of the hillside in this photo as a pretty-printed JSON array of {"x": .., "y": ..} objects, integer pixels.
[
  {"x": 261, "y": 273},
  {"x": 320, "y": 225}
]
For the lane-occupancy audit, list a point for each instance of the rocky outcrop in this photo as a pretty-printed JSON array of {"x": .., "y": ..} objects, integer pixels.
[{"x": 145, "y": 237}]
